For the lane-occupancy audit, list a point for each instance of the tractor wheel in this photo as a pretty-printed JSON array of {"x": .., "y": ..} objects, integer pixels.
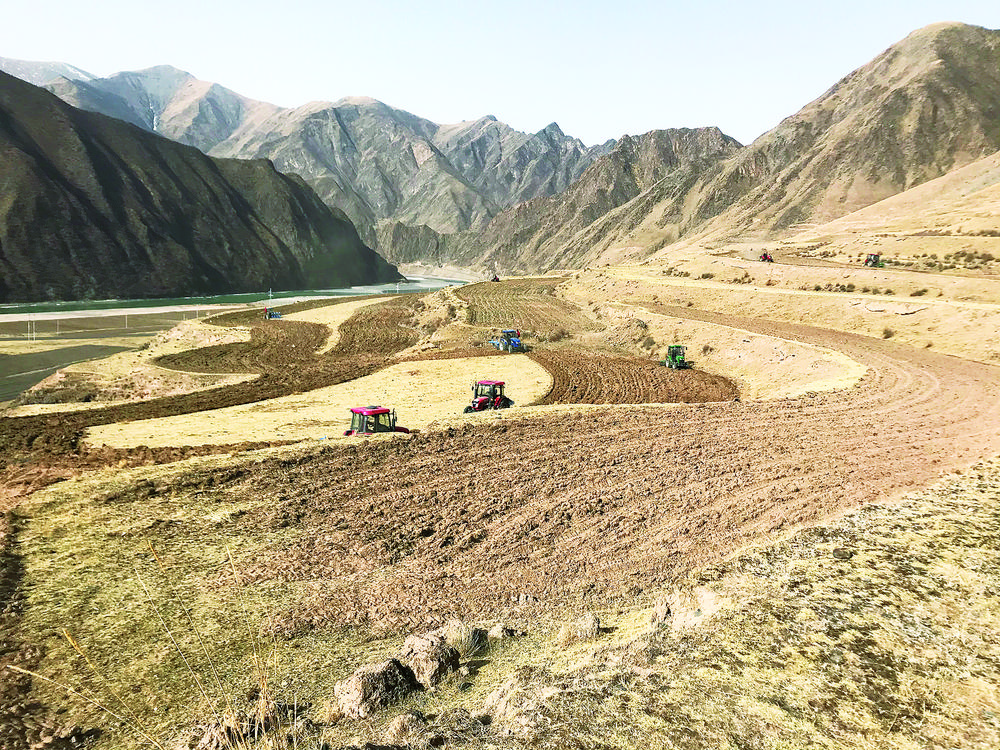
[
  {"x": 505, "y": 403},
  {"x": 468, "y": 410}
]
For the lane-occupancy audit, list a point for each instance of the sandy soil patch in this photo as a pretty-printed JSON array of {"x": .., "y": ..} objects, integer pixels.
[
  {"x": 332, "y": 316},
  {"x": 963, "y": 328},
  {"x": 764, "y": 367},
  {"x": 421, "y": 392}
]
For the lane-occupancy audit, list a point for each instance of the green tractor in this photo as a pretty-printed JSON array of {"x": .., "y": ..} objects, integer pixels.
[{"x": 676, "y": 359}]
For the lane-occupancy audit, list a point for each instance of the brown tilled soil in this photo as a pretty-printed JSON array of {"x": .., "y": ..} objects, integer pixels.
[
  {"x": 526, "y": 304},
  {"x": 281, "y": 351},
  {"x": 585, "y": 378},
  {"x": 574, "y": 510}
]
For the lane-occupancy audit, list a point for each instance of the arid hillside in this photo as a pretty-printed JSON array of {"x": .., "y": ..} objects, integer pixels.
[
  {"x": 363, "y": 157},
  {"x": 924, "y": 107},
  {"x": 94, "y": 208}
]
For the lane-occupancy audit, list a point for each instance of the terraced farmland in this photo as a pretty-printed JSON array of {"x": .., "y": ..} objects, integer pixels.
[
  {"x": 527, "y": 304},
  {"x": 589, "y": 378}
]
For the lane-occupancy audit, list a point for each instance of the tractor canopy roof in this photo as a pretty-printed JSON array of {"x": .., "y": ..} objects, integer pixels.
[
  {"x": 370, "y": 411},
  {"x": 511, "y": 331},
  {"x": 489, "y": 382}
]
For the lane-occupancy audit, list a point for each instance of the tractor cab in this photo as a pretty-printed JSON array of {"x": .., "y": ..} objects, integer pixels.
[
  {"x": 367, "y": 420},
  {"x": 509, "y": 341},
  {"x": 676, "y": 359},
  {"x": 270, "y": 314},
  {"x": 488, "y": 394},
  {"x": 874, "y": 260}
]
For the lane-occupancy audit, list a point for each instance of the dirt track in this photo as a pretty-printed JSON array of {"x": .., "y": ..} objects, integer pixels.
[{"x": 576, "y": 510}]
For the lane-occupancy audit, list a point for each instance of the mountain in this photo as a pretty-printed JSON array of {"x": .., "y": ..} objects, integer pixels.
[
  {"x": 534, "y": 235},
  {"x": 370, "y": 160},
  {"x": 40, "y": 73},
  {"x": 479, "y": 193},
  {"x": 924, "y": 107},
  {"x": 167, "y": 101},
  {"x": 92, "y": 207}
]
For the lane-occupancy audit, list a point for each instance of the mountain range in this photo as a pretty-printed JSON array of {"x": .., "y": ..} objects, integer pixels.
[
  {"x": 926, "y": 106},
  {"x": 93, "y": 207},
  {"x": 370, "y": 160},
  {"x": 482, "y": 195}
]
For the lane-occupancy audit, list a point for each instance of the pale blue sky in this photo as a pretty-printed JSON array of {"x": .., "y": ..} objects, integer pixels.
[{"x": 599, "y": 69}]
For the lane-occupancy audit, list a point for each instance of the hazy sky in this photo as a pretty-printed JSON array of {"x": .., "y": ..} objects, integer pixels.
[{"x": 599, "y": 69}]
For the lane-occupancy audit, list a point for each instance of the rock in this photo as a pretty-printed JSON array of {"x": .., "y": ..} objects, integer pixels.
[
  {"x": 430, "y": 657},
  {"x": 500, "y": 631},
  {"x": 374, "y": 686}
]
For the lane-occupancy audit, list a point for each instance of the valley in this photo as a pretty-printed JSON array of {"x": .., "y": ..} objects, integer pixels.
[{"x": 713, "y": 461}]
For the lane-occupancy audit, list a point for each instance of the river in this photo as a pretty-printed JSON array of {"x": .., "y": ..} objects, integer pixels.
[{"x": 51, "y": 310}]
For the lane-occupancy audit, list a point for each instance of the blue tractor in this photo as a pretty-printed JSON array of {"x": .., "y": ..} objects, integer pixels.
[{"x": 508, "y": 341}]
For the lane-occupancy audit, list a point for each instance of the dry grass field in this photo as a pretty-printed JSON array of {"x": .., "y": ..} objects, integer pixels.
[{"x": 793, "y": 544}]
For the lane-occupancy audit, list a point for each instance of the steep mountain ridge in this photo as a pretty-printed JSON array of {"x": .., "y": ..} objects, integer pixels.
[
  {"x": 479, "y": 193},
  {"x": 39, "y": 73},
  {"x": 93, "y": 207},
  {"x": 371, "y": 160},
  {"x": 925, "y": 106},
  {"x": 170, "y": 102},
  {"x": 531, "y": 235}
]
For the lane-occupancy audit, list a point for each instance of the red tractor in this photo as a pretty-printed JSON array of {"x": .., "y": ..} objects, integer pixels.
[
  {"x": 367, "y": 420},
  {"x": 488, "y": 394}
]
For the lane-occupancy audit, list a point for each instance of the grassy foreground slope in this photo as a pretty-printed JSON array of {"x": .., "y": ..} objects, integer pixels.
[{"x": 303, "y": 563}]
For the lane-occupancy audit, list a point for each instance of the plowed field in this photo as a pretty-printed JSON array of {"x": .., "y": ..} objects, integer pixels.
[
  {"x": 281, "y": 351},
  {"x": 585, "y": 378},
  {"x": 495, "y": 521},
  {"x": 527, "y": 304}
]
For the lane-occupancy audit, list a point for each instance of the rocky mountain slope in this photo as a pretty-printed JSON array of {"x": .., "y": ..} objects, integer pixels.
[
  {"x": 925, "y": 106},
  {"x": 480, "y": 194},
  {"x": 534, "y": 235},
  {"x": 370, "y": 160},
  {"x": 93, "y": 207}
]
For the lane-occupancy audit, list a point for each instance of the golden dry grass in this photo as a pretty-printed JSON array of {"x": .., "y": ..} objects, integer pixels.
[
  {"x": 878, "y": 630},
  {"x": 422, "y": 392}
]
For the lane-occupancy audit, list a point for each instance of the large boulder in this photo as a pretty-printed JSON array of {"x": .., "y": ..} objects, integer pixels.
[
  {"x": 374, "y": 686},
  {"x": 430, "y": 657}
]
